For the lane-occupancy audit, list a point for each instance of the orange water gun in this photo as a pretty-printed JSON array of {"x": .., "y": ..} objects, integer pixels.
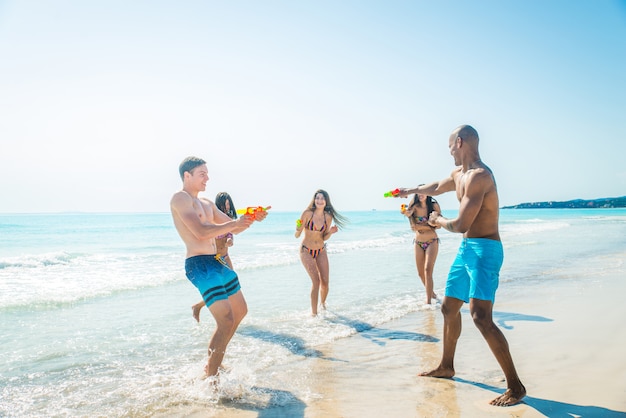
[
  {"x": 393, "y": 193},
  {"x": 402, "y": 208},
  {"x": 252, "y": 211}
]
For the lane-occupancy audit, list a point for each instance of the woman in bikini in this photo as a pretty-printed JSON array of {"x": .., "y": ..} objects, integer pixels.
[
  {"x": 316, "y": 221},
  {"x": 224, "y": 202},
  {"x": 426, "y": 241}
]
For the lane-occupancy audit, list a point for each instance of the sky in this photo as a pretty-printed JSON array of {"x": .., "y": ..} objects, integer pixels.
[{"x": 100, "y": 101}]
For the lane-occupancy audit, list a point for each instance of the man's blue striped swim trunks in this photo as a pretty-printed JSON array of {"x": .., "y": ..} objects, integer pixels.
[
  {"x": 475, "y": 272},
  {"x": 212, "y": 277}
]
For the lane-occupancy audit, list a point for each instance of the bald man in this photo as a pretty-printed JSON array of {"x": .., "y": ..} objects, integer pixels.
[{"x": 474, "y": 274}]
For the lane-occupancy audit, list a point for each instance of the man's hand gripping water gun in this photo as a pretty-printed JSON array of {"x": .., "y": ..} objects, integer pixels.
[{"x": 257, "y": 213}]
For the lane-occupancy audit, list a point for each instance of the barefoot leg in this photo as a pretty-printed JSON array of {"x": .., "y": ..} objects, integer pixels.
[
  {"x": 451, "y": 309},
  {"x": 509, "y": 398},
  {"x": 429, "y": 267},
  {"x": 439, "y": 372},
  {"x": 324, "y": 275},
  {"x": 311, "y": 268},
  {"x": 224, "y": 321},
  {"x": 481, "y": 311}
]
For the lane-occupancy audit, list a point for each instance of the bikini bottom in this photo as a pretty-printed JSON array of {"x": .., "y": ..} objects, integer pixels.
[
  {"x": 314, "y": 253},
  {"x": 425, "y": 244}
]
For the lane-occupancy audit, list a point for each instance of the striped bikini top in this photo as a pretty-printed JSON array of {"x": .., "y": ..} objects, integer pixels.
[{"x": 311, "y": 226}]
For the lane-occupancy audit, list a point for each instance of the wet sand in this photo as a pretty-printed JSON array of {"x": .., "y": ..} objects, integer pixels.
[{"x": 567, "y": 343}]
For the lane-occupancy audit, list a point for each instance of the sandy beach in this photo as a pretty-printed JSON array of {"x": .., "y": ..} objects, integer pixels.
[
  {"x": 567, "y": 343},
  {"x": 127, "y": 345}
]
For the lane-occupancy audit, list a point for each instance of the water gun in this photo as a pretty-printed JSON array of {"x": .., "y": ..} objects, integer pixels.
[
  {"x": 252, "y": 211},
  {"x": 402, "y": 208},
  {"x": 299, "y": 223},
  {"x": 392, "y": 193}
]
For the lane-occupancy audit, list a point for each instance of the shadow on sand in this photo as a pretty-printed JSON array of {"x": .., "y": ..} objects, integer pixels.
[
  {"x": 554, "y": 409},
  {"x": 280, "y": 403},
  {"x": 284, "y": 403},
  {"x": 501, "y": 318},
  {"x": 377, "y": 335},
  {"x": 292, "y": 343}
]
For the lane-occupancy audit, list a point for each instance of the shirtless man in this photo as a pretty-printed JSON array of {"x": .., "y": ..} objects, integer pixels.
[
  {"x": 198, "y": 222},
  {"x": 474, "y": 275}
]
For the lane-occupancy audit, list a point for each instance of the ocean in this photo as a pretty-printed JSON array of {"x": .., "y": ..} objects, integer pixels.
[{"x": 95, "y": 309}]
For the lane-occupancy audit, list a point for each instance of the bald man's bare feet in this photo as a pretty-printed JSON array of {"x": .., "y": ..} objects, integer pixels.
[
  {"x": 440, "y": 372},
  {"x": 510, "y": 397}
]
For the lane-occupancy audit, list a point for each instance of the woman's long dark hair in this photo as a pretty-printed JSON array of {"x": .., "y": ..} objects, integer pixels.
[
  {"x": 220, "y": 202},
  {"x": 339, "y": 219},
  {"x": 430, "y": 203}
]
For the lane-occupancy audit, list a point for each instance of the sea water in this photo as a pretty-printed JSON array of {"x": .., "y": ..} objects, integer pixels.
[{"x": 95, "y": 309}]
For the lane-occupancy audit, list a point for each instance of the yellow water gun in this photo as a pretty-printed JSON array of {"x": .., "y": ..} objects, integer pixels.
[{"x": 252, "y": 211}]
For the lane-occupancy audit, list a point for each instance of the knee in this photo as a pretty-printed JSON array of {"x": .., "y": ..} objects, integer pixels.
[
  {"x": 226, "y": 322},
  {"x": 481, "y": 319},
  {"x": 240, "y": 310},
  {"x": 451, "y": 307},
  {"x": 446, "y": 310},
  {"x": 243, "y": 313}
]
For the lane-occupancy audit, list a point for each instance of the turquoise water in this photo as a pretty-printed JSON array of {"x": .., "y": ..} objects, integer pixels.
[{"x": 95, "y": 315}]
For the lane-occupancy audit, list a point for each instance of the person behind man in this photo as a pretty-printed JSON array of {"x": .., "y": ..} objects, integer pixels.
[
  {"x": 474, "y": 274},
  {"x": 199, "y": 222},
  {"x": 426, "y": 241}
]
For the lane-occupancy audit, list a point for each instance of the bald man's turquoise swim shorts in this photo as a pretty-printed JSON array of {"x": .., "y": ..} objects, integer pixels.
[
  {"x": 475, "y": 273},
  {"x": 212, "y": 277}
]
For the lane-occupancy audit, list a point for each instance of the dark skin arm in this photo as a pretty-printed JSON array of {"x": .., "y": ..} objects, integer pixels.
[
  {"x": 472, "y": 187},
  {"x": 433, "y": 189}
]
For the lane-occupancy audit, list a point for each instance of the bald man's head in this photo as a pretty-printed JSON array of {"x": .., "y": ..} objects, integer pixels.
[{"x": 467, "y": 134}]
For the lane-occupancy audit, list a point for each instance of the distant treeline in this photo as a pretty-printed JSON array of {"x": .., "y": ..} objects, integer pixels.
[{"x": 607, "y": 202}]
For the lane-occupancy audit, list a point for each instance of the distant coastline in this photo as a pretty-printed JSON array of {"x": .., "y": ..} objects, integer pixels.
[{"x": 607, "y": 202}]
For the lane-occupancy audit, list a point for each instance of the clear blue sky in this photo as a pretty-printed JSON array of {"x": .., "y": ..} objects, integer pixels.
[{"x": 101, "y": 100}]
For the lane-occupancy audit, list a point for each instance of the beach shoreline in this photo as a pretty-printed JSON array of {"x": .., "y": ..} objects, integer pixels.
[
  {"x": 127, "y": 345},
  {"x": 569, "y": 364}
]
